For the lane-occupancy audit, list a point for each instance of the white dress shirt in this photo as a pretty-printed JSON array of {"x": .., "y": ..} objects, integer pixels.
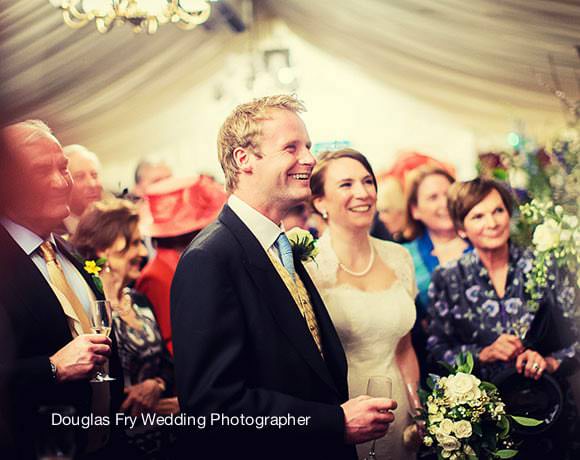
[
  {"x": 30, "y": 242},
  {"x": 265, "y": 231}
]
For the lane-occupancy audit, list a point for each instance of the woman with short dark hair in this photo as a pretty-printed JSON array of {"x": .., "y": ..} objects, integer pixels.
[{"x": 478, "y": 304}]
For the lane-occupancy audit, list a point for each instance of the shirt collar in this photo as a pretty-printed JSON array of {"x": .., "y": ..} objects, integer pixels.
[
  {"x": 265, "y": 231},
  {"x": 25, "y": 238}
]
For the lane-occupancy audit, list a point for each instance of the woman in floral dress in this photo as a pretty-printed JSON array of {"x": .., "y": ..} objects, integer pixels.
[{"x": 479, "y": 304}]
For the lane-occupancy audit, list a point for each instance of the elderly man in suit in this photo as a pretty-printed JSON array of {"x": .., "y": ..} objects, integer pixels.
[
  {"x": 252, "y": 337},
  {"x": 84, "y": 167},
  {"x": 45, "y": 296}
]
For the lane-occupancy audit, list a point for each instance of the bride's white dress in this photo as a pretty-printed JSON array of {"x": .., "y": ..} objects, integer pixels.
[{"x": 370, "y": 325}]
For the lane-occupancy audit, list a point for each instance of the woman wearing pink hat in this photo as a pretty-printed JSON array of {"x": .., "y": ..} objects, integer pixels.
[{"x": 178, "y": 209}]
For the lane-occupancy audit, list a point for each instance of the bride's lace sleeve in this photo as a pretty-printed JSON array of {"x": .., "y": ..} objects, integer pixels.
[
  {"x": 400, "y": 261},
  {"x": 324, "y": 267}
]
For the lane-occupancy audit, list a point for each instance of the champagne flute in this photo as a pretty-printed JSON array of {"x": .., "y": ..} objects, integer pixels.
[
  {"x": 378, "y": 386},
  {"x": 101, "y": 323}
]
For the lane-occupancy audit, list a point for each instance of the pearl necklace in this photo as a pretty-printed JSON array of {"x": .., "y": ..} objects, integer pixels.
[{"x": 366, "y": 270}]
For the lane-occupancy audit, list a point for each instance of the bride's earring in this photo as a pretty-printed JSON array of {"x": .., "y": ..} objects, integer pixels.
[{"x": 324, "y": 215}]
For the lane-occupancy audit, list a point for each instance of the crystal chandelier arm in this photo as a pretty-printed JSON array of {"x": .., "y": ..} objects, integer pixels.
[{"x": 73, "y": 21}]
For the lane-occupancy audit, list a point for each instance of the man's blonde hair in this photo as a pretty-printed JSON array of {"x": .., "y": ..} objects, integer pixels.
[{"x": 242, "y": 129}]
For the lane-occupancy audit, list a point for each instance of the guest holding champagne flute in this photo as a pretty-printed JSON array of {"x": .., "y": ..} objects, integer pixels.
[
  {"x": 110, "y": 230},
  {"x": 368, "y": 286}
]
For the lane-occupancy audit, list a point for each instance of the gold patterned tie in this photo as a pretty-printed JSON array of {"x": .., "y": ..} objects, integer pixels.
[
  {"x": 301, "y": 298},
  {"x": 57, "y": 278}
]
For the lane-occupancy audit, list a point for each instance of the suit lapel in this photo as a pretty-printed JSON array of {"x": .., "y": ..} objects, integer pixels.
[
  {"x": 66, "y": 251},
  {"x": 18, "y": 271},
  {"x": 275, "y": 294},
  {"x": 333, "y": 352}
]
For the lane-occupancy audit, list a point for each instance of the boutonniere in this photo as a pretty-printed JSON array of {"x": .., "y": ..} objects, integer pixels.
[
  {"x": 93, "y": 268},
  {"x": 303, "y": 244}
]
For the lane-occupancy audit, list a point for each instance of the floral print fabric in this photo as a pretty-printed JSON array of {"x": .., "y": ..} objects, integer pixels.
[{"x": 468, "y": 315}]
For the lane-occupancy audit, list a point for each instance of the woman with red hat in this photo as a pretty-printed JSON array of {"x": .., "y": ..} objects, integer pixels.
[{"x": 178, "y": 209}]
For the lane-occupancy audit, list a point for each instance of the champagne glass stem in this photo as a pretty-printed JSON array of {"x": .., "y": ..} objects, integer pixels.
[{"x": 372, "y": 454}]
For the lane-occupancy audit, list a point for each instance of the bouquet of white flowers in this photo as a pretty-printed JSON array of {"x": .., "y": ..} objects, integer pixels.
[
  {"x": 556, "y": 239},
  {"x": 465, "y": 418}
]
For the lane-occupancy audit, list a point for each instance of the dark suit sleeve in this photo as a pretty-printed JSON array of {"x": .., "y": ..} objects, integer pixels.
[
  {"x": 209, "y": 336},
  {"x": 32, "y": 370}
]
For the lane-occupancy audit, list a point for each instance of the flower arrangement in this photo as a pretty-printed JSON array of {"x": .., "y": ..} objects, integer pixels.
[
  {"x": 93, "y": 268},
  {"x": 303, "y": 244},
  {"x": 465, "y": 418},
  {"x": 556, "y": 238}
]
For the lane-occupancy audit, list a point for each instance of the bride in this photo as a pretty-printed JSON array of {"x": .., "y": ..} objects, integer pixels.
[{"x": 368, "y": 286}]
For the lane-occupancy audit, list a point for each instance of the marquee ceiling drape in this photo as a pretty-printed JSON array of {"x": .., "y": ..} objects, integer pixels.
[{"x": 478, "y": 60}]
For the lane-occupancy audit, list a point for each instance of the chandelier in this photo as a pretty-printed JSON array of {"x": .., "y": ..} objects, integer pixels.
[{"x": 143, "y": 15}]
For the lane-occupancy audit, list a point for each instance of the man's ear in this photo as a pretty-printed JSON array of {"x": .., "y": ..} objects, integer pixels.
[{"x": 243, "y": 159}]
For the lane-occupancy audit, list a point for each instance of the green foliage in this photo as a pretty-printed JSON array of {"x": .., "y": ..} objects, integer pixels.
[
  {"x": 505, "y": 453},
  {"x": 526, "y": 421}
]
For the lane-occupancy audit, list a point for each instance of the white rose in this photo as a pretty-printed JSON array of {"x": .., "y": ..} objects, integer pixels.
[
  {"x": 460, "y": 384},
  {"x": 570, "y": 221},
  {"x": 448, "y": 443},
  {"x": 445, "y": 427},
  {"x": 462, "y": 429},
  {"x": 428, "y": 441},
  {"x": 566, "y": 235},
  {"x": 547, "y": 235}
]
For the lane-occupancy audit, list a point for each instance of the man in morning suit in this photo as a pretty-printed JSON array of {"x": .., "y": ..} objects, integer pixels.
[
  {"x": 44, "y": 300},
  {"x": 251, "y": 334}
]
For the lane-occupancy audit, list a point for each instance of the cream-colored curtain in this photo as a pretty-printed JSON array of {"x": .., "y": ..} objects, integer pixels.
[
  {"x": 476, "y": 59},
  {"x": 479, "y": 59}
]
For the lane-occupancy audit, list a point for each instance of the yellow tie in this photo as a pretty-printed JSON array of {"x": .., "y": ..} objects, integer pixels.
[
  {"x": 57, "y": 278},
  {"x": 301, "y": 298}
]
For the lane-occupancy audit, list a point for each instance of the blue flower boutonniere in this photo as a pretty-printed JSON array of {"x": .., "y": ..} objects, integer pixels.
[{"x": 303, "y": 244}]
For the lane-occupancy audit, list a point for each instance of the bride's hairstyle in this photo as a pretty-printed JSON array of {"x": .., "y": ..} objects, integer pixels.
[{"x": 318, "y": 178}]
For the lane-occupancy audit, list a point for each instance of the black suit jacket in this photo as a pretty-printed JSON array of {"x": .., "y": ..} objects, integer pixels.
[
  {"x": 36, "y": 328},
  {"x": 241, "y": 346}
]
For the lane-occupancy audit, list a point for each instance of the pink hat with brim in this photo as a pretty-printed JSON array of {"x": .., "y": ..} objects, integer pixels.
[{"x": 176, "y": 206}]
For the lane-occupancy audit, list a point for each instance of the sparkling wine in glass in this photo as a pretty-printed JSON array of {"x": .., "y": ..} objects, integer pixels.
[
  {"x": 378, "y": 386},
  {"x": 101, "y": 323}
]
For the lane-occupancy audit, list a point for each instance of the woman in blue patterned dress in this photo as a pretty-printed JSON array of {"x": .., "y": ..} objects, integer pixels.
[{"x": 478, "y": 303}]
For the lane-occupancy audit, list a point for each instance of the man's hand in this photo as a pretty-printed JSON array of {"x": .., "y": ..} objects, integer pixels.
[
  {"x": 79, "y": 359},
  {"x": 505, "y": 348},
  {"x": 367, "y": 418},
  {"x": 142, "y": 397}
]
